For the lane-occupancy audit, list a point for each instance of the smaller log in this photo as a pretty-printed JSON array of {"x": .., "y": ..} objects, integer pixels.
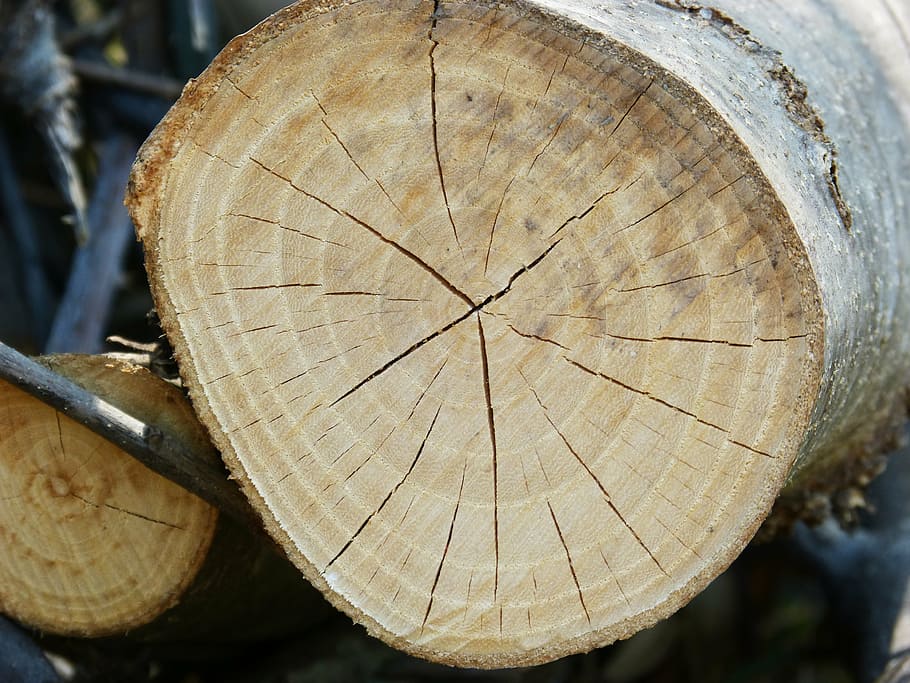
[
  {"x": 155, "y": 448},
  {"x": 95, "y": 544}
]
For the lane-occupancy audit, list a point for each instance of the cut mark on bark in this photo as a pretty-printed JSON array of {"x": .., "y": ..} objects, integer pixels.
[
  {"x": 433, "y": 111},
  {"x": 491, "y": 426},
  {"x": 445, "y": 550},
  {"x": 581, "y": 597},
  {"x": 389, "y": 495},
  {"x": 373, "y": 231}
]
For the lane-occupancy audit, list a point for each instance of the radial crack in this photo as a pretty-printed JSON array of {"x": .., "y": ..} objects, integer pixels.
[
  {"x": 373, "y": 231},
  {"x": 491, "y": 425},
  {"x": 474, "y": 308},
  {"x": 603, "y": 490},
  {"x": 631, "y": 107},
  {"x": 667, "y": 404},
  {"x": 128, "y": 512},
  {"x": 389, "y": 495},
  {"x": 536, "y": 337},
  {"x": 433, "y": 111},
  {"x": 656, "y": 210},
  {"x": 486, "y": 260},
  {"x": 580, "y": 216},
  {"x": 445, "y": 550},
  {"x": 581, "y": 597}
]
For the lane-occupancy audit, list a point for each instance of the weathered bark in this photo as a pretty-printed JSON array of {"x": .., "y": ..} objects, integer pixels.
[
  {"x": 95, "y": 544},
  {"x": 515, "y": 319}
]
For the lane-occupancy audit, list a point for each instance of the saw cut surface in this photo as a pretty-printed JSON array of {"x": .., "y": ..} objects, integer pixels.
[
  {"x": 502, "y": 329},
  {"x": 92, "y": 542}
]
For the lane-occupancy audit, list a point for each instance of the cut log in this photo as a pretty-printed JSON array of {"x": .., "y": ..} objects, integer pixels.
[
  {"x": 96, "y": 544},
  {"x": 514, "y": 319}
]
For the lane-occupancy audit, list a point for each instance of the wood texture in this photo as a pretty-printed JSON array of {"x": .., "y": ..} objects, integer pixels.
[
  {"x": 512, "y": 319},
  {"x": 93, "y": 542},
  {"x": 197, "y": 471}
]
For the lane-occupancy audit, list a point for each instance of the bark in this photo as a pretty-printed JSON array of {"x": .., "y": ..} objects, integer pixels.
[{"x": 515, "y": 322}]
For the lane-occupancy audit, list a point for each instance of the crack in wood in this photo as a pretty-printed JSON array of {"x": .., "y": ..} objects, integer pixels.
[
  {"x": 373, "y": 231},
  {"x": 433, "y": 335},
  {"x": 486, "y": 151},
  {"x": 369, "y": 178},
  {"x": 580, "y": 216},
  {"x": 536, "y": 337},
  {"x": 615, "y": 578},
  {"x": 631, "y": 107},
  {"x": 692, "y": 277},
  {"x": 388, "y": 496},
  {"x": 445, "y": 550},
  {"x": 581, "y": 597},
  {"x": 491, "y": 426},
  {"x": 137, "y": 515},
  {"x": 603, "y": 490},
  {"x": 667, "y": 404},
  {"x": 486, "y": 260},
  {"x": 656, "y": 210},
  {"x": 433, "y": 111}
]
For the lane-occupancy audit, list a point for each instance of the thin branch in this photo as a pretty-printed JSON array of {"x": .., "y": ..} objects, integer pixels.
[{"x": 147, "y": 443}]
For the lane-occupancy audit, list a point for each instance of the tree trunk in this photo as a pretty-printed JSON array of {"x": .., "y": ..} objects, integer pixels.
[
  {"x": 515, "y": 319},
  {"x": 95, "y": 544}
]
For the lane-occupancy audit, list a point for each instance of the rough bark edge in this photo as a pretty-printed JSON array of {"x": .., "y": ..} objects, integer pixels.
[
  {"x": 143, "y": 199},
  {"x": 838, "y": 489},
  {"x": 794, "y": 91}
]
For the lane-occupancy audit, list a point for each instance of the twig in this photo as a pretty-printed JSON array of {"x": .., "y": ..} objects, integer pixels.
[
  {"x": 145, "y": 442},
  {"x": 83, "y": 312},
  {"x": 96, "y": 30},
  {"x": 160, "y": 86}
]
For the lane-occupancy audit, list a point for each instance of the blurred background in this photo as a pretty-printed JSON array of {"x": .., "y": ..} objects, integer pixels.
[{"x": 82, "y": 82}]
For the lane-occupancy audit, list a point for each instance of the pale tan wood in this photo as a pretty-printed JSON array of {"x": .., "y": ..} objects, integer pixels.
[
  {"x": 512, "y": 319},
  {"x": 93, "y": 543}
]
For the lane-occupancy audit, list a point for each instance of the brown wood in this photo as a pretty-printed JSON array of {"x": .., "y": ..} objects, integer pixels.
[
  {"x": 513, "y": 319},
  {"x": 157, "y": 450},
  {"x": 93, "y": 542}
]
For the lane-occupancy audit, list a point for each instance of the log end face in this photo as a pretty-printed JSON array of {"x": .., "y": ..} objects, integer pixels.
[
  {"x": 94, "y": 543},
  {"x": 497, "y": 322}
]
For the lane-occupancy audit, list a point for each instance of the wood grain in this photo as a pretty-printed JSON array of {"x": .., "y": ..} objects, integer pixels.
[{"x": 498, "y": 322}]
